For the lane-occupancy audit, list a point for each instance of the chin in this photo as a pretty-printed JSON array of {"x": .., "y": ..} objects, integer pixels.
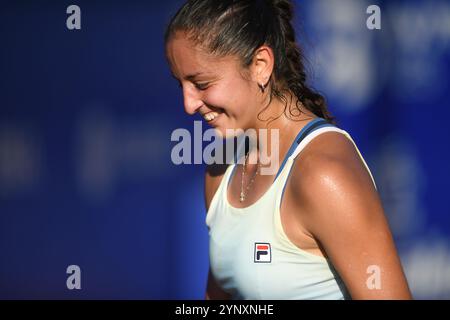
[{"x": 224, "y": 129}]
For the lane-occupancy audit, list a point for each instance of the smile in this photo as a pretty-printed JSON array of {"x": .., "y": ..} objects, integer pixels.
[{"x": 210, "y": 116}]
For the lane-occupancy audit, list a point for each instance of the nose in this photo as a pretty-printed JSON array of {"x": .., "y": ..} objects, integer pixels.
[{"x": 192, "y": 100}]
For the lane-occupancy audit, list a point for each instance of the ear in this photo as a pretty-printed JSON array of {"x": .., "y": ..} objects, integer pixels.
[{"x": 262, "y": 65}]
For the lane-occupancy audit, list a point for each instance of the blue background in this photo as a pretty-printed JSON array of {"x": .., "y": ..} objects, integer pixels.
[{"x": 86, "y": 117}]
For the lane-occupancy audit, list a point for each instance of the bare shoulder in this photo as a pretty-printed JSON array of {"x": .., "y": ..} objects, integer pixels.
[
  {"x": 213, "y": 176},
  {"x": 329, "y": 176},
  {"x": 330, "y": 153},
  {"x": 341, "y": 208}
]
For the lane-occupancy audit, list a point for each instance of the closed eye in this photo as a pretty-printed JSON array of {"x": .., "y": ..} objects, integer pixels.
[
  {"x": 198, "y": 86},
  {"x": 201, "y": 86}
]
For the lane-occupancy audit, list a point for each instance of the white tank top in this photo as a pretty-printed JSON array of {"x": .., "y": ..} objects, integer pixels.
[{"x": 250, "y": 255}]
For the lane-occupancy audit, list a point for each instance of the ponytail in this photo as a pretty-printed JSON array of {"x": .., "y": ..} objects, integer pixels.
[{"x": 240, "y": 27}]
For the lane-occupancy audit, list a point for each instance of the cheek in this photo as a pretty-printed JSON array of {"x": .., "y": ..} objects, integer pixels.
[
  {"x": 217, "y": 97},
  {"x": 235, "y": 98}
]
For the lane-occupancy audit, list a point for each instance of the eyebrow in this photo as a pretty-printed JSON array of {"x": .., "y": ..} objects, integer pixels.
[
  {"x": 189, "y": 77},
  {"x": 193, "y": 76}
]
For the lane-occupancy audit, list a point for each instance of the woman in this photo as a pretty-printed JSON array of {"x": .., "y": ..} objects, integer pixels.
[{"x": 315, "y": 229}]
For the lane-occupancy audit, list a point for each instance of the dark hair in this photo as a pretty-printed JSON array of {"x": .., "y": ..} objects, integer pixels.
[{"x": 240, "y": 27}]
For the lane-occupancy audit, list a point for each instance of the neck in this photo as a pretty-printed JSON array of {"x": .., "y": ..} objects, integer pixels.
[{"x": 275, "y": 133}]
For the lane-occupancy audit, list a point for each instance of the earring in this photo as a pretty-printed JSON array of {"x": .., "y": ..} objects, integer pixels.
[{"x": 262, "y": 86}]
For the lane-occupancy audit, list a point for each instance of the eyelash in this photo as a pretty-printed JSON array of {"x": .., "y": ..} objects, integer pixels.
[{"x": 201, "y": 86}]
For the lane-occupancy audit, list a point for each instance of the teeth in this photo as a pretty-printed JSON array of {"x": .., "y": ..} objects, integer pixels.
[{"x": 210, "y": 116}]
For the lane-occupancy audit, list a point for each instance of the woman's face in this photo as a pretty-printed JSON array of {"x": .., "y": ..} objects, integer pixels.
[{"x": 214, "y": 87}]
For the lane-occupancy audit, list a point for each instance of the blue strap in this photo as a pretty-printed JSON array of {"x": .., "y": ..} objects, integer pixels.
[
  {"x": 306, "y": 130},
  {"x": 314, "y": 126},
  {"x": 310, "y": 127}
]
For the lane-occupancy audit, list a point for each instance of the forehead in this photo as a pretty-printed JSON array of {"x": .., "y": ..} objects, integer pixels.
[{"x": 187, "y": 58}]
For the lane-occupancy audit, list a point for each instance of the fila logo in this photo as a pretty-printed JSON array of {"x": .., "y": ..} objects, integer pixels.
[{"x": 263, "y": 253}]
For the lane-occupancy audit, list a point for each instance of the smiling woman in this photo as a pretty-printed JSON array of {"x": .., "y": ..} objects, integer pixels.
[
  {"x": 313, "y": 229},
  {"x": 207, "y": 82}
]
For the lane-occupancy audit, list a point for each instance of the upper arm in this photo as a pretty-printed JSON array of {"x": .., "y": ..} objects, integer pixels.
[{"x": 345, "y": 215}]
